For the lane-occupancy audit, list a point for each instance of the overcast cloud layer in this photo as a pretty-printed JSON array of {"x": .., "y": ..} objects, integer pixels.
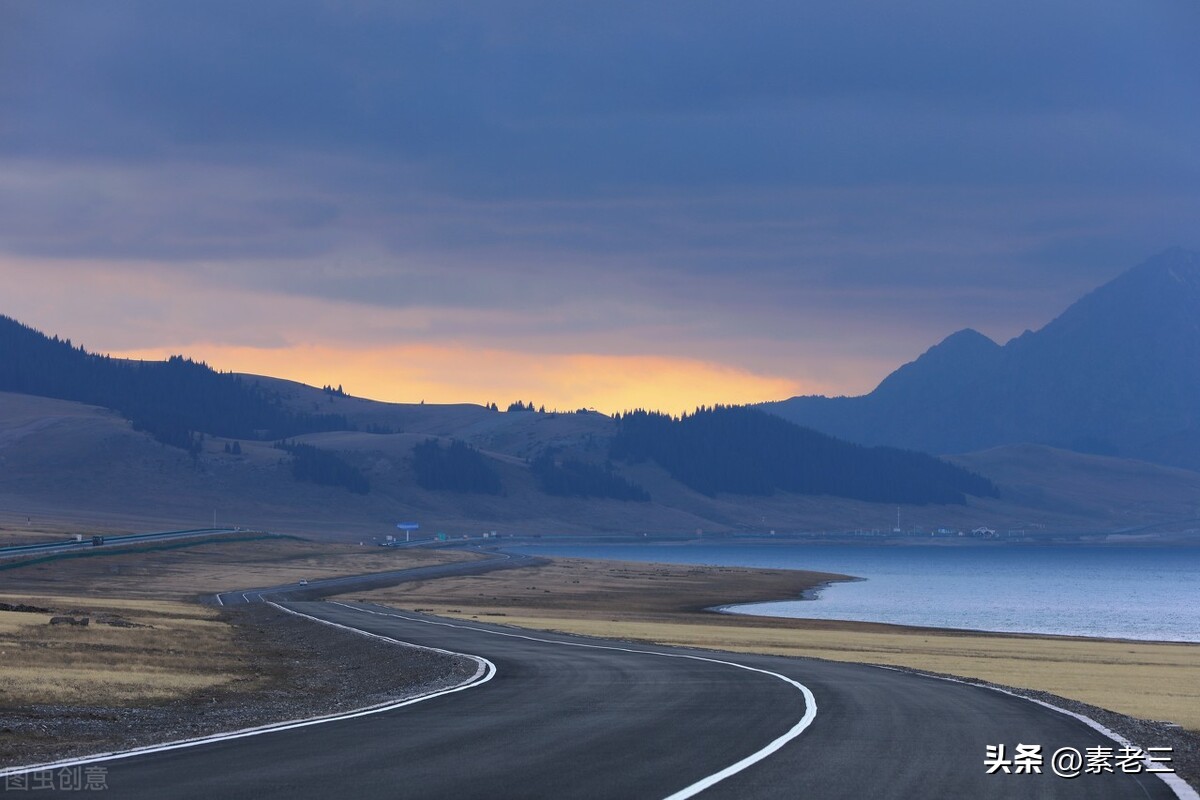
[{"x": 779, "y": 197}]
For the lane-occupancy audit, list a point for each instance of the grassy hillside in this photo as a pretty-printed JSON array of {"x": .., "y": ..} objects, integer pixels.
[
  {"x": 522, "y": 435},
  {"x": 190, "y": 407},
  {"x": 73, "y": 467},
  {"x": 1130, "y": 493},
  {"x": 176, "y": 401}
]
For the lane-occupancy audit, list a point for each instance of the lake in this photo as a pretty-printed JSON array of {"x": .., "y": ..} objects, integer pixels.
[{"x": 1111, "y": 591}]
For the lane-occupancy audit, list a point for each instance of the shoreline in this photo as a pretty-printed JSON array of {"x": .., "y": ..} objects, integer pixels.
[
  {"x": 680, "y": 605},
  {"x": 940, "y": 631},
  {"x": 1071, "y": 539},
  {"x": 936, "y": 630},
  {"x": 942, "y": 593},
  {"x": 810, "y": 594}
]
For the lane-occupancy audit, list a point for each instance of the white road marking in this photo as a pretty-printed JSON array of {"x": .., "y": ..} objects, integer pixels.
[
  {"x": 485, "y": 672},
  {"x": 1177, "y": 784},
  {"x": 810, "y": 702}
]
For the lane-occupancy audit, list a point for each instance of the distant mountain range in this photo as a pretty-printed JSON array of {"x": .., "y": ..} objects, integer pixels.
[
  {"x": 740, "y": 451},
  {"x": 184, "y": 440},
  {"x": 1118, "y": 373}
]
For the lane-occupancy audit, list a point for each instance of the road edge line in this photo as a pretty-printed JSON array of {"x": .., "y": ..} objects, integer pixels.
[
  {"x": 484, "y": 672},
  {"x": 1182, "y": 789}
]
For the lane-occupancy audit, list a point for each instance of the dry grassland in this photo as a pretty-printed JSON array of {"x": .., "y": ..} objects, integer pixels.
[
  {"x": 156, "y": 650},
  {"x": 9, "y": 538},
  {"x": 21, "y": 528},
  {"x": 595, "y": 587},
  {"x": 662, "y": 603},
  {"x": 170, "y": 648},
  {"x": 212, "y": 566}
]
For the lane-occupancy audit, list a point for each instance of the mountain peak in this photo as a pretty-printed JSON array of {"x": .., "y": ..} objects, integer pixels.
[
  {"x": 965, "y": 344},
  {"x": 964, "y": 339},
  {"x": 1118, "y": 370},
  {"x": 947, "y": 362}
]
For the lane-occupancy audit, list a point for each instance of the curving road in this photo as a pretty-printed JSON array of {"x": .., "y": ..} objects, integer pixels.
[
  {"x": 564, "y": 717},
  {"x": 375, "y": 580},
  {"x": 66, "y": 545}
]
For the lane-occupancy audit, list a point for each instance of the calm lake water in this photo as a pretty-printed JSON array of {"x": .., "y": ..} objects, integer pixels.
[{"x": 1128, "y": 592}]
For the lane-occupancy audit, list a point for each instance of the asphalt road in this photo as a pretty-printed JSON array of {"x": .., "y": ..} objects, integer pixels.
[
  {"x": 568, "y": 717},
  {"x": 375, "y": 580},
  {"x": 67, "y": 545}
]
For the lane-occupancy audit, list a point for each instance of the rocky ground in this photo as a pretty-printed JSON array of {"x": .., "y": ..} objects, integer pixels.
[{"x": 297, "y": 669}]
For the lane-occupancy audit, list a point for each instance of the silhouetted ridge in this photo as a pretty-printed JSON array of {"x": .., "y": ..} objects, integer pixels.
[
  {"x": 169, "y": 399},
  {"x": 967, "y": 351},
  {"x": 745, "y": 451},
  {"x": 1118, "y": 373}
]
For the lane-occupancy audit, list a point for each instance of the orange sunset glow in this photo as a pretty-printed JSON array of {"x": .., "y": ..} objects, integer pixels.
[{"x": 443, "y": 374}]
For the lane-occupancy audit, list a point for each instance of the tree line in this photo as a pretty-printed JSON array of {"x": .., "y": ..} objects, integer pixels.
[
  {"x": 172, "y": 400},
  {"x": 457, "y": 468},
  {"x": 573, "y": 478},
  {"x": 743, "y": 450},
  {"x": 519, "y": 405},
  {"x": 314, "y": 465}
]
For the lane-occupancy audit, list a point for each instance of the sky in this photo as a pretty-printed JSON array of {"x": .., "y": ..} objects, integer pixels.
[{"x": 608, "y": 205}]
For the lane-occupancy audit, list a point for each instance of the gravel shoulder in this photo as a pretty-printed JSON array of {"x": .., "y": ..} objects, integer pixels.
[{"x": 294, "y": 668}]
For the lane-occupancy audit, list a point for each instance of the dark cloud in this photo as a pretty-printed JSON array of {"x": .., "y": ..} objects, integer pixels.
[
  {"x": 730, "y": 163},
  {"x": 578, "y": 98}
]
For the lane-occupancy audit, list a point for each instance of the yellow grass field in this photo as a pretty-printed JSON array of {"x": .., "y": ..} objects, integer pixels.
[
  {"x": 659, "y": 603},
  {"x": 172, "y": 649},
  {"x": 176, "y": 646}
]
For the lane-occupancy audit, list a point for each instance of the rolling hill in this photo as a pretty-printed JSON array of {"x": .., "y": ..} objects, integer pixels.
[
  {"x": 77, "y": 467},
  {"x": 82, "y": 439},
  {"x": 179, "y": 402}
]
